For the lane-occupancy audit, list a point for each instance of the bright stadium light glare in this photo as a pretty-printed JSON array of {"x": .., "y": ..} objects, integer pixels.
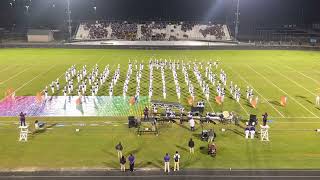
[
  {"x": 27, "y": 8},
  {"x": 236, "y": 33}
]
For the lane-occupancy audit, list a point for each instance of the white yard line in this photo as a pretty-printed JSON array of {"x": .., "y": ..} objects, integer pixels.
[
  {"x": 241, "y": 77},
  {"x": 314, "y": 80},
  {"x": 6, "y": 68},
  {"x": 35, "y": 78},
  {"x": 244, "y": 109},
  {"x": 282, "y": 91},
  {"x": 31, "y": 80},
  {"x": 294, "y": 82},
  {"x": 12, "y": 77}
]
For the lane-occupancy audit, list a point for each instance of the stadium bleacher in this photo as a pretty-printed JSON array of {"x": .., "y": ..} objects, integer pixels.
[{"x": 154, "y": 31}]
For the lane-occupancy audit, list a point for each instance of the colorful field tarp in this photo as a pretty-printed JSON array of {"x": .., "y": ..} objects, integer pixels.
[{"x": 73, "y": 106}]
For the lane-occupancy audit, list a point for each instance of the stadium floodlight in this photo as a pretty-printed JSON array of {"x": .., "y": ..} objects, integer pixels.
[
  {"x": 69, "y": 20},
  {"x": 237, "y": 21},
  {"x": 27, "y": 8}
]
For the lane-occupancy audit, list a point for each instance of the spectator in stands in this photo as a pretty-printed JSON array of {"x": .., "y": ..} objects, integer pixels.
[
  {"x": 213, "y": 30},
  {"x": 191, "y": 146},
  {"x": 155, "y": 31},
  {"x": 119, "y": 149},
  {"x": 123, "y": 164}
]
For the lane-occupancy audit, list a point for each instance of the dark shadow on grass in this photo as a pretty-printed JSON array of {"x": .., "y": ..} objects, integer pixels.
[
  {"x": 236, "y": 132},
  {"x": 302, "y": 97},
  {"x": 248, "y": 104},
  {"x": 183, "y": 126},
  {"x": 309, "y": 102},
  {"x": 198, "y": 136},
  {"x": 275, "y": 103},
  {"x": 182, "y": 148},
  {"x": 135, "y": 151},
  {"x": 203, "y": 150},
  {"x": 40, "y": 131}
]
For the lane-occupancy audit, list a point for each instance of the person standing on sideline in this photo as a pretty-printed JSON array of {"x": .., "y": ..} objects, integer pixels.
[
  {"x": 131, "y": 159},
  {"x": 318, "y": 100},
  {"x": 211, "y": 136},
  {"x": 119, "y": 149},
  {"x": 166, "y": 163},
  {"x": 192, "y": 123},
  {"x": 22, "y": 119},
  {"x": 146, "y": 113},
  {"x": 191, "y": 146},
  {"x": 264, "y": 119},
  {"x": 123, "y": 164},
  {"x": 176, "y": 158}
]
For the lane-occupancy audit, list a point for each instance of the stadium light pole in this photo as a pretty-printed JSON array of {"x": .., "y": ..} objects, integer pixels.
[
  {"x": 95, "y": 12},
  {"x": 236, "y": 33},
  {"x": 69, "y": 20}
]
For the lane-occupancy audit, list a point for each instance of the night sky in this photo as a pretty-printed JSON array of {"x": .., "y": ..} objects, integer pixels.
[{"x": 253, "y": 12}]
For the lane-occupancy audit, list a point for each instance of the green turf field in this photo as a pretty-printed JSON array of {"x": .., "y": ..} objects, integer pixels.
[{"x": 272, "y": 74}]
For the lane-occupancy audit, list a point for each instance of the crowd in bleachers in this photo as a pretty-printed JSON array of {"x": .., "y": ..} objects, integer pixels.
[
  {"x": 148, "y": 34},
  {"x": 215, "y": 30},
  {"x": 187, "y": 26},
  {"x": 154, "y": 31},
  {"x": 97, "y": 31},
  {"x": 126, "y": 31}
]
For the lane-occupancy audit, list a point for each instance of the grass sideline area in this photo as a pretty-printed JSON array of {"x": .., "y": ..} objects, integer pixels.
[{"x": 272, "y": 74}]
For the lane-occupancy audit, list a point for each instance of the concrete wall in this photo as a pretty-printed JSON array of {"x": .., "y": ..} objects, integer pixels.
[{"x": 40, "y": 38}]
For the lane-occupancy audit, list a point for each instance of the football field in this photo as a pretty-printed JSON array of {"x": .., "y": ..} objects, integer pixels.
[{"x": 271, "y": 73}]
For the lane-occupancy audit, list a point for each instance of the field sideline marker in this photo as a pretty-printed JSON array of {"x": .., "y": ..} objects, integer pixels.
[
  {"x": 282, "y": 91},
  {"x": 241, "y": 77}
]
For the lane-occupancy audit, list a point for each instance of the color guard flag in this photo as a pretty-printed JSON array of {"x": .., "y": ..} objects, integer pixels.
[
  {"x": 283, "y": 101},
  {"x": 10, "y": 93},
  {"x": 39, "y": 97},
  {"x": 132, "y": 100},
  {"x": 254, "y": 103},
  {"x": 79, "y": 105},
  {"x": 190, "y": 101},
  {"x": 218, "y": 100}
]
